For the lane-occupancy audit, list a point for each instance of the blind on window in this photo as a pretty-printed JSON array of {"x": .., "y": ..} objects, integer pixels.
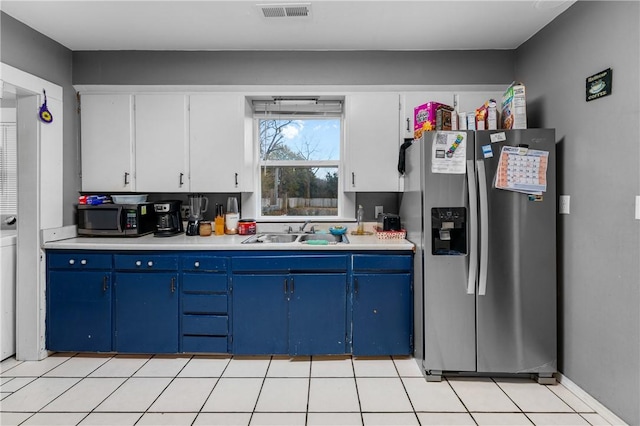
[{"x": 8, "y": 169}]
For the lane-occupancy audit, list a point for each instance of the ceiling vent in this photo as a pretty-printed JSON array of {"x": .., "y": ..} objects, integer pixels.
[{"x": 289, "y": 10}]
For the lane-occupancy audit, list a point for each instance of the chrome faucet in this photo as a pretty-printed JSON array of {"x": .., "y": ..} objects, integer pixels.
[{"x": 304, "y": 225}]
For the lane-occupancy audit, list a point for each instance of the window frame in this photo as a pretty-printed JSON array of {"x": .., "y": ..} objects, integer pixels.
[{"x": 342, "y": 196}]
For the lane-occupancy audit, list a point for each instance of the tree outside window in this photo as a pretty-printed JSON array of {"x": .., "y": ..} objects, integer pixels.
[{"x": 299, "y": 166}]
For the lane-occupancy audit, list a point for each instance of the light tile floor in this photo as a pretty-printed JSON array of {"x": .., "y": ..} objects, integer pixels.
[{"x": 81, "y": 389}]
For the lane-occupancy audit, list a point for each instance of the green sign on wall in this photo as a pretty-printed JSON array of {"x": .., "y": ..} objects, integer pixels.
[{"x": 599, "y": 85}]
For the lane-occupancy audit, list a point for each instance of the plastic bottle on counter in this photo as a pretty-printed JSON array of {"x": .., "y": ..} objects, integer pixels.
[
  {"x": 218, "y": 222},
  {"x": 360, "y": 219}
]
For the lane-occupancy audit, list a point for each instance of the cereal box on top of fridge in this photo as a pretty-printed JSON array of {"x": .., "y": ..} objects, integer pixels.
[
  {"x": 514, "y": 107},
  {"x": 424, "y": 117}
]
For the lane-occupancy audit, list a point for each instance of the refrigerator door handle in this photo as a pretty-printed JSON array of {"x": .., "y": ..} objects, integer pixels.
[
  {"x": 484, "y": 228},
  {"x": 473, "y": 227}
]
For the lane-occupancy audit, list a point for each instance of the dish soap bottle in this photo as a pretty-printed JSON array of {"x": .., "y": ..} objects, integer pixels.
[{"x": 360, "y": 219}]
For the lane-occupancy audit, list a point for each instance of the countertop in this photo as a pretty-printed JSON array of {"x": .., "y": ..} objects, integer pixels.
[{"x": 224, "y": 242}]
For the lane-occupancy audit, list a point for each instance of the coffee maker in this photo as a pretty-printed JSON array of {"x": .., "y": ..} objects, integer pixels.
[
  {"x": 197, "y": 206},
  {"x": 168, "y": 220}
]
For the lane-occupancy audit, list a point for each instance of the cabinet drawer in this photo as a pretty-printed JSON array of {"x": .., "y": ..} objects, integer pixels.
[
  {"x": 204, "y": 303},
  {"x": 321, "y": 263},
  {"x": 146, "y": 262},
  {"x": 86, "y": 260},
  {"x": 204, "y": 344},
  {"x": 205, "y": 325},
  {"x": 203, "y": 263},
  {"x": 382, "y": 263},
  {"x": 204, "y": 283}
]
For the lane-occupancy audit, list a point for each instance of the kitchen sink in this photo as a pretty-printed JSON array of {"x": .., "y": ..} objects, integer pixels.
[
  {"x": 271, "y": 238},
  {"x": 275, "y": 238},
  {"x": 323, "y": 237}
]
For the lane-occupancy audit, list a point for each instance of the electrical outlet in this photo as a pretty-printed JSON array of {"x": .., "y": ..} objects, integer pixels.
[
  {"x": 184, "y": 212},
  {"x": 564, "y": 206},
  {"x": 638, "y": 207},
  {"x": 378, "y": 211}
]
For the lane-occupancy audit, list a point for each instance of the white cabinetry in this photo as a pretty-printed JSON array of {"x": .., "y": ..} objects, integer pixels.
[
  {"x": 162, "y": 143},
  {"x": 107, "y": 143},
  {"x": 372, "y": 142},
  {"x": 216, "y": 146}
]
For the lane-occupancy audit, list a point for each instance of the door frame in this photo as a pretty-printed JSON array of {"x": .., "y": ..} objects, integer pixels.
[{"x": 40, "y": 188}]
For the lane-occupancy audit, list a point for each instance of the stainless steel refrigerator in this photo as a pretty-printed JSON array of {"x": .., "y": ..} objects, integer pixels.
[{"x": 484, "y": 222}]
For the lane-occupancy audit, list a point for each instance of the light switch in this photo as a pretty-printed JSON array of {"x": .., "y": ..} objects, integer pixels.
[
  {"x": 638, "y": 207},
  {"x": 564, "y": 204}
]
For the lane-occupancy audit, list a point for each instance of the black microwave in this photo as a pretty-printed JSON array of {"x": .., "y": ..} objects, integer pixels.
[{"x": 116, "y": 220}]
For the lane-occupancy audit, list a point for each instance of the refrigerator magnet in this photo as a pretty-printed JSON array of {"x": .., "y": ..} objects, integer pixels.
[
  {"x": 498, "y": 137},
  {"x": 487, "y": 152}
]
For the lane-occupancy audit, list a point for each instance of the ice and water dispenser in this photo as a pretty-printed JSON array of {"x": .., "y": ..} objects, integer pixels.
[{"x": 449, "y": 231}]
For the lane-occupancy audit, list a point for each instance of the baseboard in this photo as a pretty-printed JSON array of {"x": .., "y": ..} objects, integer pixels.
[{"x": 589, "y": 400}]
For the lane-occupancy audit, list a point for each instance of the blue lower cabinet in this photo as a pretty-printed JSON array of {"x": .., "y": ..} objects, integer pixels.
[
  {"x": 295, "y": 314},
  {"x": 382, "y": 314},
  {"x": 317, "y": 314},
  {"x": 79, "y": 311},
  {"x": 260, "y": 310},
  {"x": 146, "y": 312}
]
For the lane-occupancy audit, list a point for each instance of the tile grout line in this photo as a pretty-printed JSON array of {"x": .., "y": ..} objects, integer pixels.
[
  {"x": 395, "y": 366},
  {"x": 212, "y": 389},
  {"x": 459, "y": 399},
  {"x": 355, "y": 380},
  {"x": 146, "y": 410},
  {"x": 523, "y": 412},
  {"x": 76, "y": 384},
  {"x": 39, "y": 377}
]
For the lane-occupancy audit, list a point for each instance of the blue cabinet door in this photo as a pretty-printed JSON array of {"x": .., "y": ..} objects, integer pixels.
[
  {"x": 146, "y": 310},
  {"x": 317, "y": 314},
  {"x": 260, "y": 314},
  {"x": 382, "y": 314},
  {"x": 79, "y": 311}
]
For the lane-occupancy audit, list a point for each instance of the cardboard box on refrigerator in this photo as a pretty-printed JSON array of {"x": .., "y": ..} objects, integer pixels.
[
  {"x": 424, "y": 117},
  {"x": 514, "y": 107}
]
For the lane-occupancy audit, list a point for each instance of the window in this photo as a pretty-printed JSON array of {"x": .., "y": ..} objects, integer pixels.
[
  {"x": 299, "y": 161},
  {"x": 8, "y": 170}
]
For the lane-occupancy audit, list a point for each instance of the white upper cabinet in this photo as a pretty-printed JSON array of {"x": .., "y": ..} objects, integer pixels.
[
  {"x": 162, "y": 143},
  {"x": 107, "y": 143},
  {"x": 372, "y": 142},
  {"x": 216, "y": 140}
]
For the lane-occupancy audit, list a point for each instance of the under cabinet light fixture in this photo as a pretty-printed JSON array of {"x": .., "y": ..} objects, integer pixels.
[{"x": 297, "y": 105}]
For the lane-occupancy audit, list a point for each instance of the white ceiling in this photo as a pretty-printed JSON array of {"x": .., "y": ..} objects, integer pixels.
[{"x": 332, "y": 25}]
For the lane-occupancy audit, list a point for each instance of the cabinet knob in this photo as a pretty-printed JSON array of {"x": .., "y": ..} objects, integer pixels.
[
  {"x": 83, "y": 262},
  {"x": 138, "y": 263},
  {"x": 149, "y": 264},
  {"x": 196, "y": 264},
  {"x": 72, "y": 261}
]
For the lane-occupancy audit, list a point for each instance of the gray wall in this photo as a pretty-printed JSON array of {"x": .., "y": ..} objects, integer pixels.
[
  {"x": 36, "y": 54},
  {"x": 599, "y": 163},
  {"x": 287, "y": 67}
]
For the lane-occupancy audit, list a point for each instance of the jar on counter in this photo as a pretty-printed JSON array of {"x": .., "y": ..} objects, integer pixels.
[
  {"x": 205, "y": 228},
  {"x": 246, "y": 226}
]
